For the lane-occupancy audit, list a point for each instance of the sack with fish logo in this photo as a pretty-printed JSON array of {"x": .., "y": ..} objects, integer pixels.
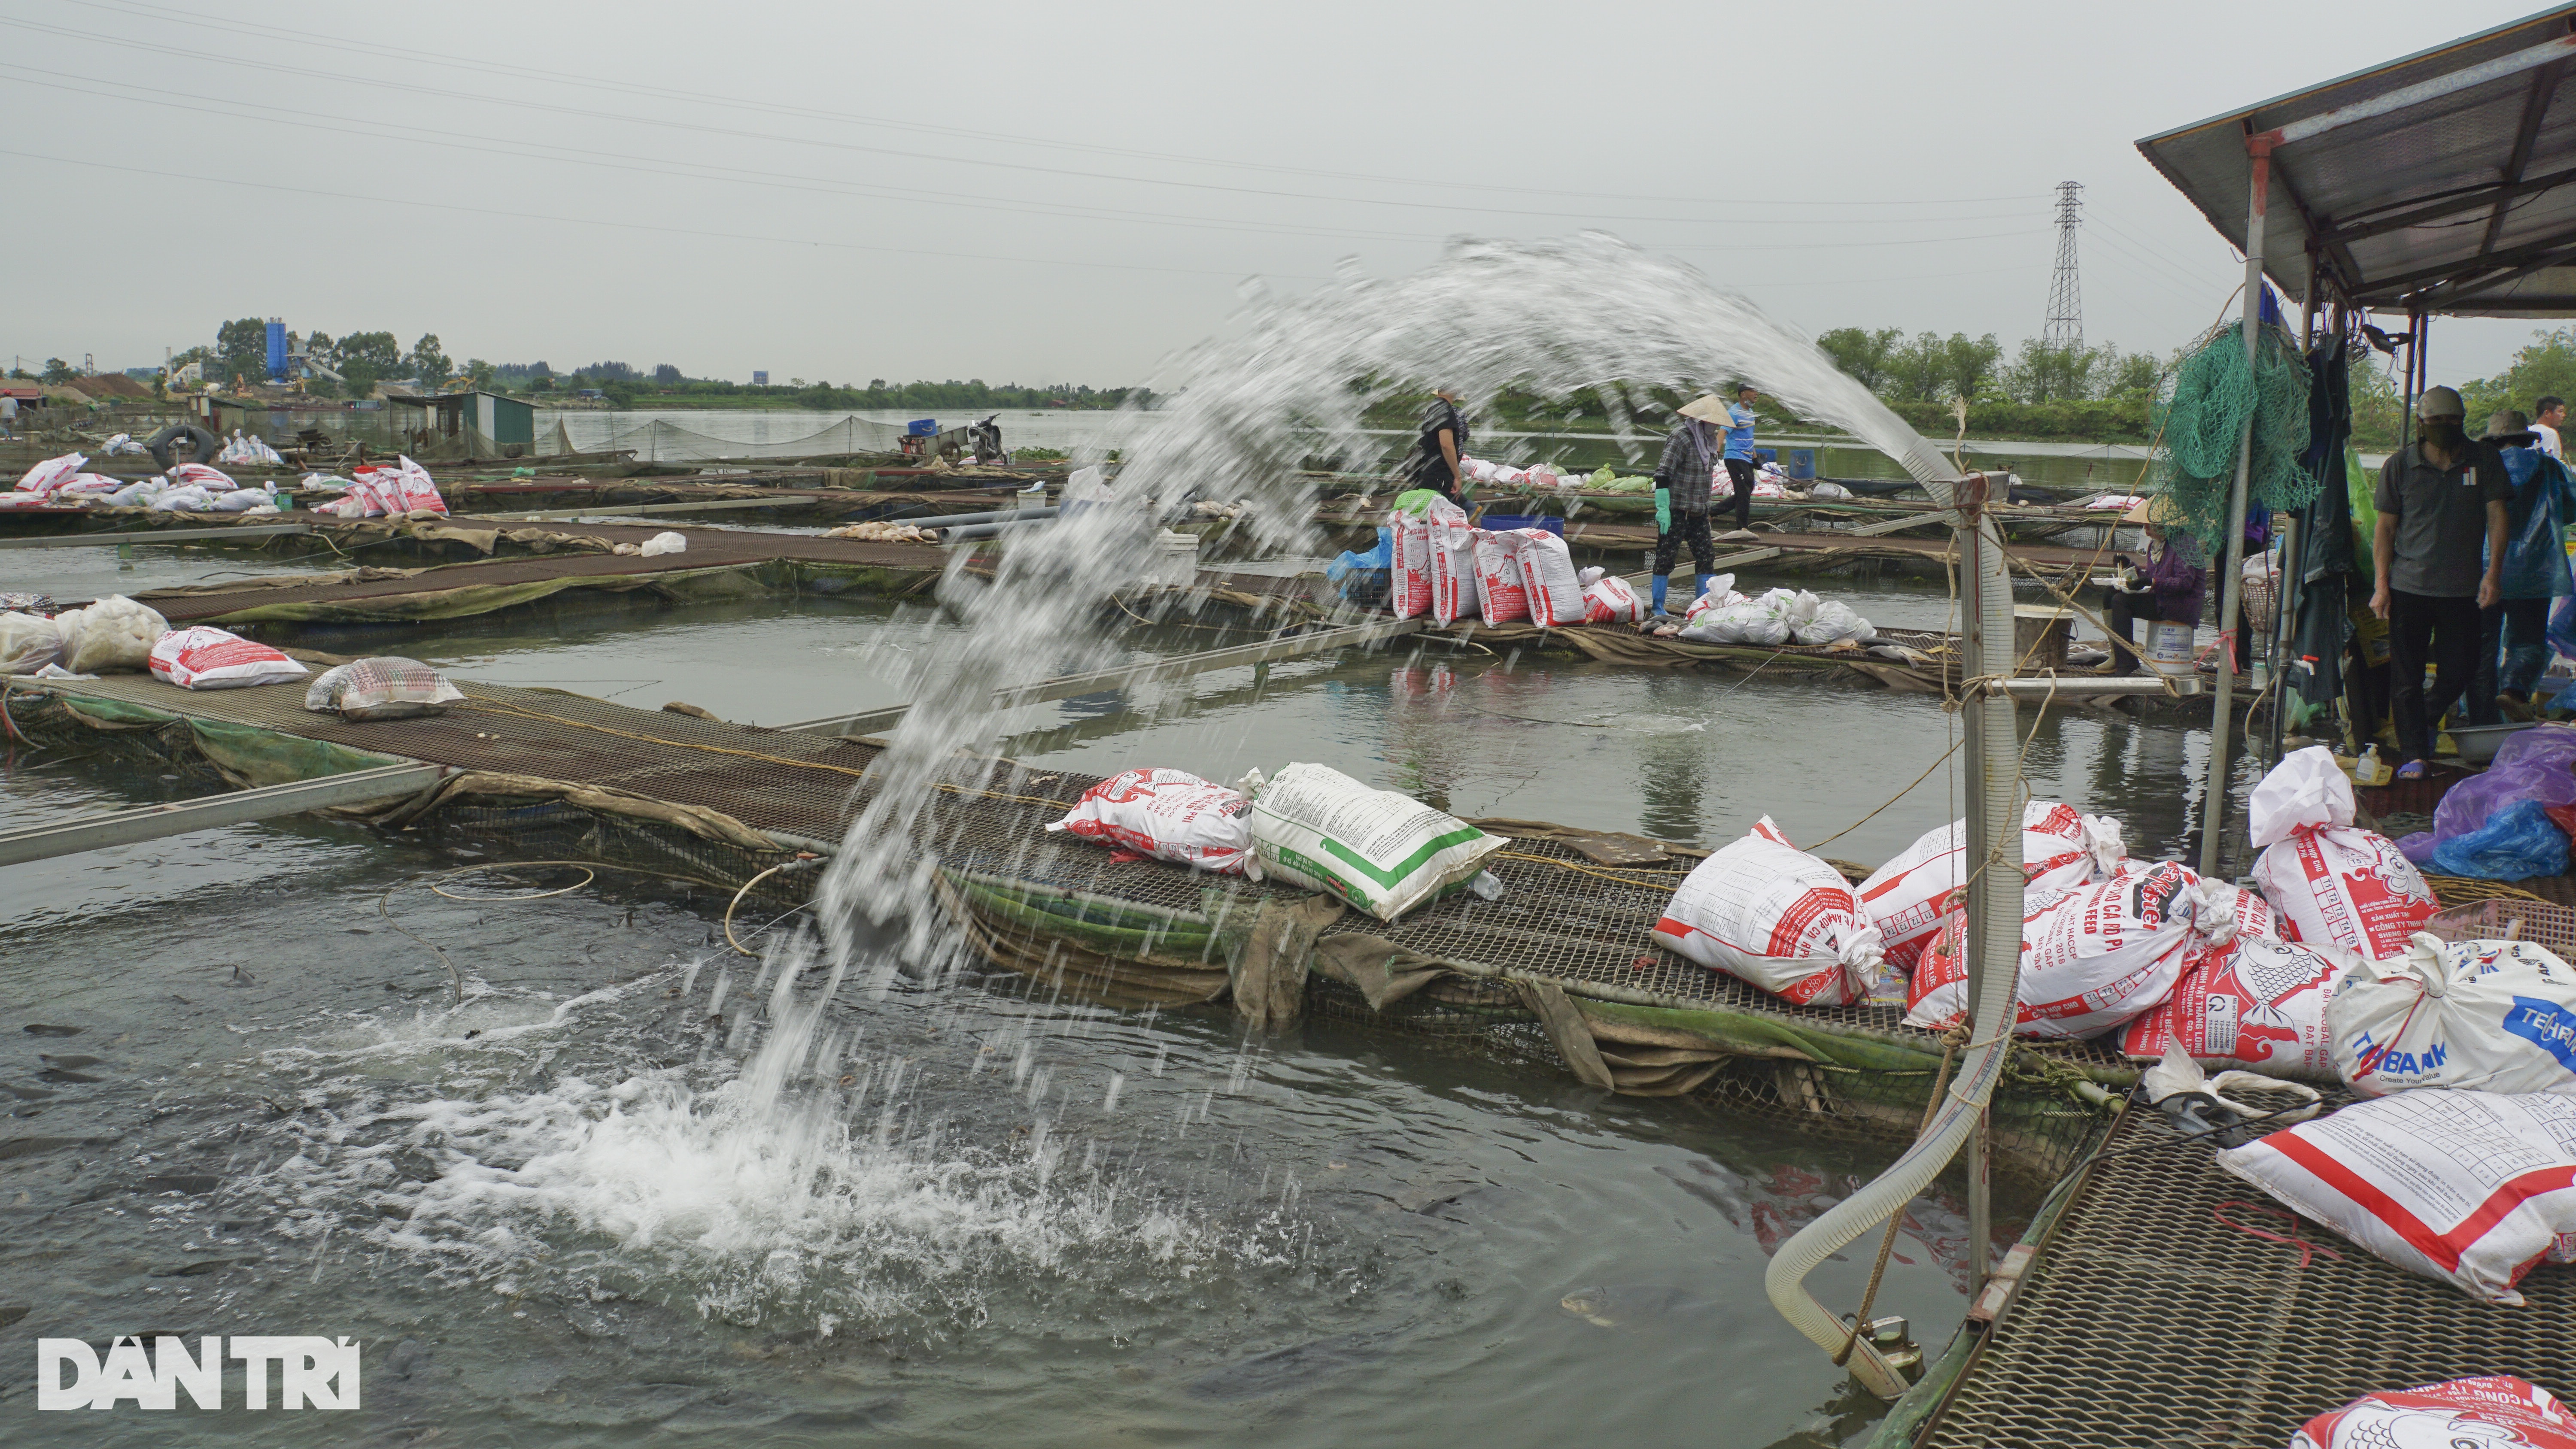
[{"x": 2496, "y": 1016}]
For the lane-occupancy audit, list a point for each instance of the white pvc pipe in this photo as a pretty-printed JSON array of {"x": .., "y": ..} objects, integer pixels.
[{"x": 1996, "y": 773}]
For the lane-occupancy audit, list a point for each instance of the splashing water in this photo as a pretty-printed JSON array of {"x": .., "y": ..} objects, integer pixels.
[{"x": 802, "y": 1180}]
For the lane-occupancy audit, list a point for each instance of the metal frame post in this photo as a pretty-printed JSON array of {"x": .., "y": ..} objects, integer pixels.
[
  {"x": 1976, "y": 663},
  {"x": 2213, "y": 805}
]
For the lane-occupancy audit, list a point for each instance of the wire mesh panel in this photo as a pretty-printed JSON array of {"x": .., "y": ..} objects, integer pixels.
[{"x": 2177, "y": 1305}]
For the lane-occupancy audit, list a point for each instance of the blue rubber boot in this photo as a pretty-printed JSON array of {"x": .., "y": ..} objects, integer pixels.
[
  {"x": 1662, "y": 582},
  {"x": 1702, "y": 584}
]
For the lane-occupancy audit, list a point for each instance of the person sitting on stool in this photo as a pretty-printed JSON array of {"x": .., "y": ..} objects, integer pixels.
[
  {"x": 2167, "y": 589},
  {"x": 2441, "y": 499}
]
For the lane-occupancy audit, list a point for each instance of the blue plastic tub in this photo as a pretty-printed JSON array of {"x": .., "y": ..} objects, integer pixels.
[
  {"x": 1802, "y": 464},
  {"x": 923, "y": 427},
  {"x": 1504, "y": 522}
]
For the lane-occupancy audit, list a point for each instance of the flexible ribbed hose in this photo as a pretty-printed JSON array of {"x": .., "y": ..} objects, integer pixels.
[{"x": 1990, "y": 1014}]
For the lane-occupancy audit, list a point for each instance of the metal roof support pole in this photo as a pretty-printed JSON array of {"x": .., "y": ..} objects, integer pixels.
[{"x": 2231, "y": 554}]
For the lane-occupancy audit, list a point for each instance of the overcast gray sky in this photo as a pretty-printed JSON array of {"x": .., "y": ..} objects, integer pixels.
[{"x": 1069, "y": 192}]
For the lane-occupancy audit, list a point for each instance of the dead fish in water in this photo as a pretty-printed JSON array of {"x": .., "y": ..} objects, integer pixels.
[
  {"x": 25, "y": 1094},
  {"x": 68, "y": 1064},
  {"x": 38, "y": 1028},
  {"x": 57, "y": 1074},
  {"x": 239, "y": 978},
  {"x": 1631, "y": 1305},
  {"x": 1293, "y": 1367},
  {"x": 13, "y": 1147},
  {"x": 187, "y": 1182},
  {"x": 12, "y": 1312},
  {"x": 194, "y": 1270}
]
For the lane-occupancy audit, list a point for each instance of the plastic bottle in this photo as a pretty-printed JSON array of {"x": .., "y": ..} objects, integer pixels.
[{"x": 2370, "y": 769}]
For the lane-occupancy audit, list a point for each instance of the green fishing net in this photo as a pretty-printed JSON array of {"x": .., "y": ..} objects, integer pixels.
[{"x": 2202, "y": 423}]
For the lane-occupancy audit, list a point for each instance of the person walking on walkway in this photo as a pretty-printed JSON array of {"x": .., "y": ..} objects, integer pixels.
[
  {"x": 2167, "y": 589},
  {"x": 1739, "y": 452},
  {"x": 1444, "y": 441},
  {"x": 2441, "y": 499},
  {"x": 1684, "y": 482},
  {"x": 2513, "y": 643}
]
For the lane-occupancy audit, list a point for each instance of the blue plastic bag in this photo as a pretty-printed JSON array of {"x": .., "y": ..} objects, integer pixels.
[{"x": 2517, "y": 843}]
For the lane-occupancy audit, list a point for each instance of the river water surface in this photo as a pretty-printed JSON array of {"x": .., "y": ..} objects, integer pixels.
[{"x": 556, "y": 1213}]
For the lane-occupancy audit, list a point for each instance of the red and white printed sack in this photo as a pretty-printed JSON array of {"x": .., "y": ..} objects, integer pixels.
[
  {"x": 1548, "y": 578},
  {"x": 2481, "y": 1413},
  {"x": 2334, "y": 883},
  {"x": 1610, "y": 599},
  {"x": 1453, "y": 562},
  {"x": 1908, "y": 897},
  {"x": 1167, "y": 814},
  {"x": 206, "y": 657},
  {"x": 1408, "y": 595},
  {"x": 2472, "y": 1188},
  {"x": 2094, "y": 957},
  {"x": 1768, "y": 912},
  {"x": 1501, "y": 597},
  {"x": 2258, "y": 1003}
]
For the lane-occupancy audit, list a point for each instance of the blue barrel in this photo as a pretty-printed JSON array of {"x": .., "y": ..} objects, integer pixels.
[
  {"x": 1802, "y": 463},
  {"x": 1766, "y": 455}
]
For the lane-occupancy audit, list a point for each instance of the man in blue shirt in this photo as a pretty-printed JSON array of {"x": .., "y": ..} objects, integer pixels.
[{"x": 1739, "y": 452}]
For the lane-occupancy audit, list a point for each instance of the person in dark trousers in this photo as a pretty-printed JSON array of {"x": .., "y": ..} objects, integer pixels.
[
  {"x": 2513, "y": 642},
  {"x": 2168, "y": 588},
  {"x": 1444, "y": 441},
  {"x": 1739, "y": 452},
  {"x": 2441, "y": 499},
  {"x": 1685, "y": 478}
]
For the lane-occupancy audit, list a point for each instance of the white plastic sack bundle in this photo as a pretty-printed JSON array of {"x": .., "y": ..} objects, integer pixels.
[
  {"x": 1548, "y": 581},
  {"x": 1719, "y": 593},
  {"x": 1384, "y": 853},
  {"x": 1453, "y": 562},
  {"x": 140, "y": 493},
  {"x": 381, "y": 687},
  {"x": 1610, "y": 600},
  {"x": 1827, "y": 488},
  {"x": 2094, "y": 957},
  {"x": 242, "y": 500},
  {"x": 1833, "y": 622},
  {"x": 2495, "y": 1410},
  {"x": 2471, "y": 1188},
  {"x": 1166, "y": 814},
  {"x": 662, "y": 543},
  {"x": 1745, "y": 621},
  {"x": 113, "y": 636},
  {"x": 184, "y": 498},
  {"x": 1768, "y": 912},
  {"x": 2493, "y": 1016},
  {"x": 52, "y": 473},
  {"x": 1501, "y": 597},
  {"x": 88, "y": 486},
  {"x": 2334, "y": 883},
  {"x": 2257, "y": 1002},
  {"x": 28, "y": 642},
  {"x": 123, "y": 444},
  {"x": 206, "y": 657},
  {"x": 413, "y": 492},
  {"x": 1909, "y": 896}
]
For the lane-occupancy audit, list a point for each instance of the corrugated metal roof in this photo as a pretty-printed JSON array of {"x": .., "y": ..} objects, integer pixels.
[{"x": 2464, "y": 204}]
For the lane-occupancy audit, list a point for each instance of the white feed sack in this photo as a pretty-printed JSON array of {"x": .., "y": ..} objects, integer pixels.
[
  {"x": 2496, "y": 1016},
  {"x": 2258, "y": 1003},
  {"x": 113, "y": 636},
  {"x": 1501, "y": 597},
  {"x": 1166, "y": 814},
  {"x": 382, "y": 687},
  {"x": 1768, "y": 912},
  {"x": 1452, "y": 544},
  {"x": 2336, "y": 884},
  {"x": 2061, "y": 848},
  {"x": 662, "y": 543},
  {"x": 1554, "y": 594},
  {"x": 2094, "y": 957},
  {"x": 2471, "y": 1188},
  {"x": 1385, "y": 853}
]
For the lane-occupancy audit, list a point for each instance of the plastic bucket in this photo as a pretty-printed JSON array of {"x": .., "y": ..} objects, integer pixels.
[
  {"x": 2169, "y": 648},
  {"x": 1765, "y": 455},
  {"x": 1802, "y": 463}
]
